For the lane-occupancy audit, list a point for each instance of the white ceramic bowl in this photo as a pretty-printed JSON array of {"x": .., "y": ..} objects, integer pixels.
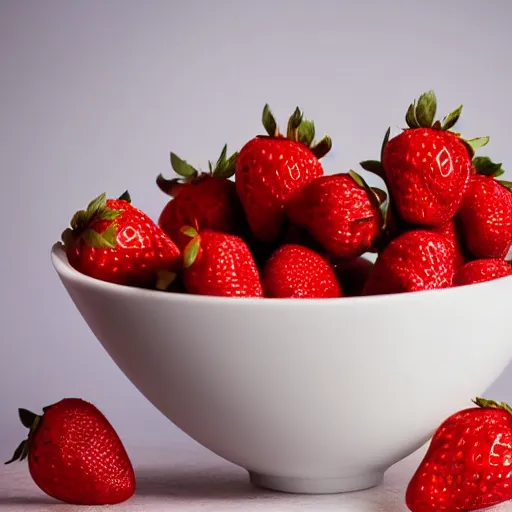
[{"x": 310, "y": 396}]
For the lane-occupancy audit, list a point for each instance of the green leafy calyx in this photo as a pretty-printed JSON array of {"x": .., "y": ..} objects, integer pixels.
[
  {"x": 422, "y": 112},
  {"x": 506, "y": 184},
  {"x": 377, "y": 196},
  {"x": 451, "y": 119},
  {"x": 192, "y": 248},
  {"x": 484, "y": 165},
  {"x": 473, "y": 145},
  {"x": 223, "y": 168},
  {"x": 125, "y": 196},
  {"x": 298, "y": 129},
  {"x": 182, "y": 168},
  {"x": 80, "y": 225},
  {"x": 30, "y": 421},
  {"x": 189, "y": 231},
  {"x": 191, "y": 251},
  {"x": 484, "y": 403},
  {"x": 375, "y": 166}
]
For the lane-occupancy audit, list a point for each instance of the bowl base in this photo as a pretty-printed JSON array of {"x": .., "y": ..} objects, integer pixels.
[{"x": 332, "y": 485}]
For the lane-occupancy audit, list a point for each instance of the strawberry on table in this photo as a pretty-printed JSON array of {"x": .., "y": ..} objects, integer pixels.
[
  {"x": 271, "y": 169},
  {"x": 426, "y": 167},
  {"x": 219, "y": 264},
  {"x": 208, "y": 199},
  {"x": 416, "y": 260},
  {"x": 113, "y": 241},
  {"x": 341, "y": 212},
  {"x": 486, "y": 211},
  {"x": 478, "y": 271},
  {"x": 75, "y": 455},
  {"x": 467, "y": 465},
  {"x": 294, "y": 271}
]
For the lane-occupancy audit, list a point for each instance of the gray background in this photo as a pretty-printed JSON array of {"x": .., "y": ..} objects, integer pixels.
[{"x": 94, "y": 95}]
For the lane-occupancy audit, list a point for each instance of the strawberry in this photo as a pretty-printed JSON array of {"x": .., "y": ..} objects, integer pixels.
[
  {"x": 467, "y": 465},
  {"x": 341, "y": 212},
  {"x": 426, "y": 167},
  {"x": 294, "y": 271},
  {"x": 451, "y": 231},
  {"x": 416, "y": 260},
  {"x": 271, "y": 169},
  {"x": 75, "y": 455},
  {"x": 478, "y": 271},
  {"x": 219, "y": 264},
  {"x": 114, "y": 241},
  {"x": 208, "y": 199},
  {"x": 352, "y": 274},
  {"x": 486, "y": 211}
]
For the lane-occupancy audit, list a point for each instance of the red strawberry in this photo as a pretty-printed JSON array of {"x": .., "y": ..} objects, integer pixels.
[
  {"x": 467, "y": 465},
  {"x": 451, "y": 231},
  {"x": 208, "y": 199},
  {"x": 271, "y": 169},
  {"x": 75, "y": 455},
  {"x": 294, "y": 271},
  {"x": 478, "y": 271},
  {"x": 219, "y": 264},
  {"x": 114, "y": 241},
  {"x": 341, "y": 212},
  {"x": 426, "y": 167},
  {"x": 486, "y": 212},
  {"x": 417, "y": 260},
  {"x": 352, "y": 274}
]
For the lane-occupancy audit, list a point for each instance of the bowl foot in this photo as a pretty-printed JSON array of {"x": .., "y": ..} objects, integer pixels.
[{"x": 332, "y": 485}]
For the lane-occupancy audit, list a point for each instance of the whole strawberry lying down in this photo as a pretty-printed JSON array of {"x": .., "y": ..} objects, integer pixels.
[
  {"x": 266, "y": 222},
  {"x": 75, "y": 455},
  {"x": 467, "y": 464}
]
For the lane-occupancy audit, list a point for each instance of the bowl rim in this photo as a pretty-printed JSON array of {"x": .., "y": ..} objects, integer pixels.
[{"x": 64, "y": 269}]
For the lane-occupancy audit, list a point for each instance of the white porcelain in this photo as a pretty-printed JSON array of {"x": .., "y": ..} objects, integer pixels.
[{"x": 310, "y": 396}]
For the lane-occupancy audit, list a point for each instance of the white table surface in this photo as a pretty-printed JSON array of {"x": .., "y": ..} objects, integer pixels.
[{"x": 186, "y": 477}]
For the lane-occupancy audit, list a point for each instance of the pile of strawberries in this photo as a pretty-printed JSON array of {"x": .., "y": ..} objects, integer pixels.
[{"x": 284, "y": 229}]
